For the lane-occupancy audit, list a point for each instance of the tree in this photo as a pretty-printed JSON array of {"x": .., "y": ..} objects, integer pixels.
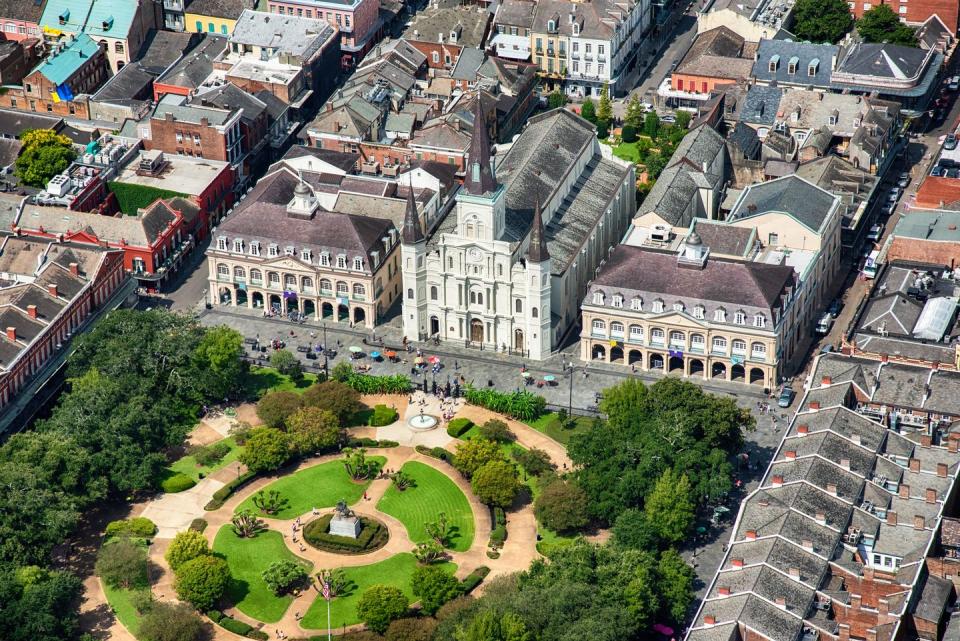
[
  {"x": 44, "y": 155},
  {"x": 474, "y": 453},
  {"x": 562, "y": 506},
  {"x": 122, "y": 563},
  {"x": 286, "y": 362},
  {"x": 683, "y": 120},
  {"x": 341, "y": 372},
  {"x": 202, "y": 581},
  {"x": 411, "y": 629},
  {"x": 429, "y": 552},
  {"x": 42, "y": 610},
  {"x": 497, "y": 430},
  {"x": 59, "y": 461},
  {"x": 275, "y": 407},
  {"x": 336, "y": 578},
  {"x": 357, "y": 465},
  {"x": 381, "y": 604},
  {"x": 631, "y": 530},
  {"x": 534, "y": 461},
  {"x": 635, "y": 112},
  {"x": 604, "y": 107},
  {"x": 881, "y": 24},
  {"x": 439, "y": 530},
  {"x": 166, "y": 621},
  {"x": 434, "y": 586},
  {"x": 284, "y": 575},
  {"x": 821, "y": 20},
  {"x": 589, "y": 111},
  {"x": 312, "y": 430},
  {"x": 401, "y": 480},
  {"x": 675, "y": 585},
  {"x": 496, "y": 483},
  {"x": 269, "y": 502},
  {"x": 628, "y": 134},
  {"x": 218, "y": 358},
  {"x": 267, "y": 449},
  {"x": 246, "y": 525},
  {"x": 556, "y": 99},
  {"x": 336, "y": 397},
  {"x": 670, "y": 508},
  {"x": 186, "y": 546},
  {"x": 651, "y": 124}
]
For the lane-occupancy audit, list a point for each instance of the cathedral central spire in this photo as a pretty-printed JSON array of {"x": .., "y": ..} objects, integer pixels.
[
  {"x": 412, "y": 231},
  {"x": 479, "y": 179}
]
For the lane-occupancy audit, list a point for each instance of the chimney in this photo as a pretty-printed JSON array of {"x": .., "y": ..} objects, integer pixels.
[
  {"x": 814, "y": 405},
  {"x": 204, "y": 122},
  {"x": 952, "y": 445},
  {"x": 855, "y": 601},
  {"x": 32, "y": 311},
  {"x": 942, "y": 470},
  {"x": 926, "y": 440},
  {"x": 845, "y": 463},
  {"x": 794, "y": 573},
  {"x": 12, "y": 333},
  {"x": 807, "y": 545},
  {"x": 751, "y": 535},
  {"x": 52, "y": 289},
  {"x": 723, "y": 590},
  {"x": 904, "y": 491},
  {"x": 931, "y": 495},
  {"x": 826, "y": 380},
  {"x": 737, "y": 563},
  {"x": 781, "y": 603},
  {"x": 832, "y": 489},
  {"x": 803, "y": 429},
  {"x": 790, "y": 454},
  {"x": 885, "y": 358},
  {"x": 855, "y": 438},
  {"x": 763, "y": 502},
  {"x": 777, "y": 480},
  {"x": 919, "y": 522},
  {"x": 883, "y": 606},
  {"x": 914, "y": 465},
  {"x": 891, "y": 517},
  {"x": 821, "y": 518},
  {"x": 709, "y": 619},
  {"x": 75, "y": 269}
]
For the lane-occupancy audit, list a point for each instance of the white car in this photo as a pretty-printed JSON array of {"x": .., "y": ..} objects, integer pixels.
[
  {"x": 875, "y": 232},
  {"x": 894, "y": 195}
]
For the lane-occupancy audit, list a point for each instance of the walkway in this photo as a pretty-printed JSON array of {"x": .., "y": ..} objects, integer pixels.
[{"x": 526, "y": 435}]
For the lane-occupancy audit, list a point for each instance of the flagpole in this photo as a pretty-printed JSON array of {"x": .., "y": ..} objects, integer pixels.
[{"x": 328, "y": 621}]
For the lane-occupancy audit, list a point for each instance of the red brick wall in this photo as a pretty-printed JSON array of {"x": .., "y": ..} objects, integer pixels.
[
  {"x": 924, "y": 251},
  {"x": 441, "y": 49},
  {"x": 919, "y": 10},
  {"x": 163, "y": 136},
  {"x": 395, "y": 154},
  {"x": 15, "y": 98}
]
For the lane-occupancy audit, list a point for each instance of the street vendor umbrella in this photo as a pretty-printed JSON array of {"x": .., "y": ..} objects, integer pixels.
[
  {"x": 526, "y": 374},
  {"x": 355, "y": 350},
  {"x": 374, "y": 354},
  {"x": 701, "y": 530},
  {"x": 418, "y": 360},
  {"x": 549, "y": 378},
  {"x": 390, "y": 354},
  {"x": 433, "y": 360}
]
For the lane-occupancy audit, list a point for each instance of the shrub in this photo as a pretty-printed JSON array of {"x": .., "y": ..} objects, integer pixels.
[
  {"x": 459, "y": 426},
  {"x": 207, "y": 455},
  {"x": 139, "y": 527},
  {"x": 497, "y": 430},
  {"x": 186, "y": 546},
  {"x": 283, "y": 575},
  {"x": 220, "y": 496},
  {"x": 386, "y": 443},
  {"x": 498, "y": 535},
  {"x": 372, "y": 536},
  {"x": 142, "y": 600},
  {"x": 237, "y": 627},
  {"x": 178, "y": 482},
  {"x": 122, "y": 563},
  {"x": 170, "y": 622},
  {"x": 629, "y": 134},
  {"x": 434, "y": 587},
  {"x": 521, "y": 405},
  {"x": 198, "y": 525},
  {"x": 472, "y": 580},
  {"x": 383, "y": 415},
  {"x": 381, "y": 604},
  {"x": 499, "y": 517},
  {"x": 202, "y": 581},
  {"x": 215, "y": 615},
  {"x": 260, "y": 635}
]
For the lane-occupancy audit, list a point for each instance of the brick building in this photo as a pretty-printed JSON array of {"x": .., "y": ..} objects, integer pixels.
[
  {"x": 927, "y": 236},
  {"x": 48, "y": 289},
  {"x": 20, "y": 19},
  {"x": 442, "y": 31},
  {"x": 358, "y": 22},
  {"x": 915, "y": 12},
  {"x": 61, "y": 84},
  {"x": 191, "y": 71}
]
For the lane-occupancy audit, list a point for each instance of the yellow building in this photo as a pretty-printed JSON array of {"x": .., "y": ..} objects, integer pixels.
[{"x": 213, "y": 16}]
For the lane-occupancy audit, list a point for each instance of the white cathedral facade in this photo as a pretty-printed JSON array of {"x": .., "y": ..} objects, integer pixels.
[{"x": 487, "y": 277}]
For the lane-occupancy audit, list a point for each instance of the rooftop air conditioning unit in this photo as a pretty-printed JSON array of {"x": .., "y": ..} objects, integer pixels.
[{"x": 660, "y": 234}]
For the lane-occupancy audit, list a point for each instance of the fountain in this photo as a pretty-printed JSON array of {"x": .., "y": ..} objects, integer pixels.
[{"x": 422, "y": 422}]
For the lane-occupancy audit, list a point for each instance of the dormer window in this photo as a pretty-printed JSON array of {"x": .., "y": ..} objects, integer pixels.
[
  {"x": 324, "y": 259},
  {"x": 834, "y": 116},
  {"x": 576, "y": 28},
  {"x": 551, "y": 26},
  {"x": 773, "y": 64},
  {"x": 636, "y": 304},
  {"x": 289, "y": 250},
  {"x": 760, "y": 321},
  {"x": 305, "y": 255},
  {"x": 254, "y": 248},
  {"x": 678, "y": 307},
  {"x": 598, "y": 298},
  {"x": 238, "y": 246},
  {"x": 740, "y": 318},
  {"x": 358, "y": 264},
  {"x": 792, "y": 65},
  {"x": 720, "y": 315},
  {"x": 341, "y": 262},
  {"x": 813, "y": 67},
  {"x": 63, "y": 17},
  {"x": 657, "y": 306},
  {"x": 699, "y": 311},
  {"x": 618, "y": 300},
  {"x": 222, "y": 243},
  {"x": 273, "y": 250}
]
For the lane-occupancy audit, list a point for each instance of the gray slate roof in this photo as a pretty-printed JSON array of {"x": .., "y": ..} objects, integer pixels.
[
  {"x": 760, "y": 105},
  {"x": 196, "y": 66},
  {"x": 806, "y": 202},
  {"x": 230, "y": 9},
  {"x": 805, "y": 52},
  {"x": 291, "y": 35}
]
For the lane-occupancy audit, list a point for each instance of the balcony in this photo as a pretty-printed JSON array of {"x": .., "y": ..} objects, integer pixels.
[
  {"x": 575, "y": 55},
  {"x": 759, "y": 357},
  {"x": 256, "y": 281},
  {"x": 359, "y": 297},
  {"x": 696, "y": 349},
  {"x": 326, "y": 292},
  {"x": 654, "y": 342},
  {"x": 635, "y": 340},
  {"x": 173, "y": 5},
  {"x": 307, "y": 290},
  {"x": 599, "y": 333}
]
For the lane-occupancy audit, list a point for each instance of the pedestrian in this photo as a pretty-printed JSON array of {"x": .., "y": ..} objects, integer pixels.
[{"x": 365, "y": 497}]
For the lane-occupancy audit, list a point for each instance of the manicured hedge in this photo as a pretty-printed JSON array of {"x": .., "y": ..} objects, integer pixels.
[
  {"x": 131, "y": 197},
  {"x": 435, "y": 452},
  {"x": 499, "y": 517},
  {"x": 220, "y": 496},
  {"x": 237, "y": 627},
  {"x": 372, "y": 535},
  {"x": 371, "y": 442},
  {"x": 259, "y": 635},
  {"x": 178, "y": 482},
  {"x": 498, "y": 535},
  {"x": 215, "y": 615},
  {"x": 383, "y": 415},
  {"x": 472, "y": 580},
  {"x": 459, "y": 426},
  {"x": 198, "y": 524},
  {"x": 139, "y": 527}
]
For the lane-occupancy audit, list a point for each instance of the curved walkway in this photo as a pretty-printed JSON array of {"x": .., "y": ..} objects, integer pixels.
[{"x": 526, "y": 435}]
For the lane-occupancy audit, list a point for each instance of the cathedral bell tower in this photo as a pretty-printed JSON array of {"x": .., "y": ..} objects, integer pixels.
[
  {"x": 481, "y": 210},
  {"x": 413, "y": 253}
]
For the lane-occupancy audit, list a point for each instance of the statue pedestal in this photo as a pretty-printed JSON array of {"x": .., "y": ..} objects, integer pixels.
[{"x": 348, "y": 526}]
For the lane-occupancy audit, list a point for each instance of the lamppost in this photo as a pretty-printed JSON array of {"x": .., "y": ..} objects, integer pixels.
[
  {"x": 326, "y": 363},
  {"x": 571, "y": 370}
]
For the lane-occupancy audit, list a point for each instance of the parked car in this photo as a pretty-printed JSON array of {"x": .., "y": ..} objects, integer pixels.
[
  {"x": 888, "y": 209},
  {"x": 953, "y": 172},
  {"x": 875, "y": 232},
  {"x": 894, "y": 195},
  {"x": 835, "y": 306},
  {"x": 647, "y": 106},
  {"x": 954, "y": 83},
  {"x": 786, "y": 397},
  {"x": 824, "y": 324},
  {"x": 668, "y": 119},
  {"x": 950, "y": 142},
  {"x": 904, "y": 180},
  {"x": 937, "y": 171},
  {"x": 947, "y": 163}
]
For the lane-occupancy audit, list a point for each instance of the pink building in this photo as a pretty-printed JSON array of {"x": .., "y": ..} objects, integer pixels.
[
  {"x": 20, "y": 19},
  {"x": 358, "y": 21}
]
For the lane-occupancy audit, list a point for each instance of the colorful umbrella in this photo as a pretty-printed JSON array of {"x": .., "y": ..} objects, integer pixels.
[
  {"x": 374, "y": 354},
  {"x": 526, "y": 374},
  {"x": 356, "y": 350},
  {"x": 390, "y": 354},
  {"x": 549, "y": 378},
  {"x": 418, "y": 360},
  {"x": 433, "y": 360}
]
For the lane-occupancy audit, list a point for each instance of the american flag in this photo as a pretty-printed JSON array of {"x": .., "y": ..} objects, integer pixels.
[{"x": 327, "y": 594}]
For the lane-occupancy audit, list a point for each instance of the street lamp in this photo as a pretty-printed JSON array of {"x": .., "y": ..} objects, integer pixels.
[{"x": 326, "y": 363}]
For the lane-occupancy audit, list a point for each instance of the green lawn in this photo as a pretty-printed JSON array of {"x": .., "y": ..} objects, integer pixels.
[
  {"x": 120, "y": 601},
  {"x": 396, "y": 571},
  {"x": 318, "y": 486},
  {"x": 550, "y": 425},
  {"x": 248, "y": 558},
  {"x": 627, "y": 151},
  {"x": 260, "y": 380},
  {"x": 434, "y": 493},
  {"x": 189, "y": 466}
]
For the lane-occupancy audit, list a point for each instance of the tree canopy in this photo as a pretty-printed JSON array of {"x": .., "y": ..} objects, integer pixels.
[
  {"x": 44, "y": 155},
  {"x": 821, "y": 20},
  {"x": 881, "y": 24}
]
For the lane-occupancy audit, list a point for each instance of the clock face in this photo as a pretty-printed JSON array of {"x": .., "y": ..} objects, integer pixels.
[{"x": 474, "y": 254}]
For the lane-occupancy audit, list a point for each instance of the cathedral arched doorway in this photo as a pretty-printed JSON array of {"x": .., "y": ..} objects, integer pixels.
[
  {"x": 476, "y": 330},
  {"x": 434, "y": 326},
  {"x": 518, "y": 340}
]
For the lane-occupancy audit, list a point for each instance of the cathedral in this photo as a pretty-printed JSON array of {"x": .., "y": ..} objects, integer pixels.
[{"x": 507, "y": 267}]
